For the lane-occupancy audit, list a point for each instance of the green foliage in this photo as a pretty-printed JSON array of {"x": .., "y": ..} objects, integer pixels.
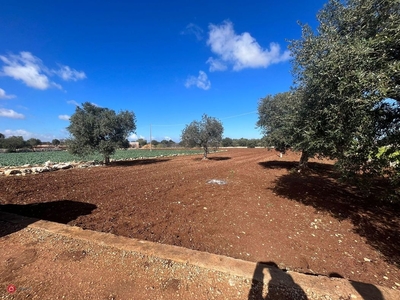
[
  {"x": 12, "y": 143},
  {"x": 242, "y": 142},
  {"x": 276, "y": 115},
  {"x": 32, "y": 142},
  {"x": 33, "y": 158},
  {"x": 346, "y": 72},
  {"x": 142, "y": 142},
  {"x": 55, "y": 142},
  {"x": 251, "y": 144},
  {"x": 393, "y": 154},
  {"x": 281, "y": 118},
  {"x": 167, "y": 144},
  {"x": 97, "y": 129},
  {"x": 205, "y": 133},
  {"x": 227, "y": 142}
]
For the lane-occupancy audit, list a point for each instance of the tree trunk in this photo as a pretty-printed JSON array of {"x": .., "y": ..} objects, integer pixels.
[
  {"x": 205, "y": 152},
  {"x": 303, "y": 160},
  {"x": 106, "y": 160}
]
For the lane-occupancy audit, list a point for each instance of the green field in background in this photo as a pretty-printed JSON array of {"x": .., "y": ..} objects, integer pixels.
[{"x": 39, "y": 158}]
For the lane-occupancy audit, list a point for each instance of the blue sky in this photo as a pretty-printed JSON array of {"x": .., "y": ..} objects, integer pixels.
[{"x": 167, "y": 61}]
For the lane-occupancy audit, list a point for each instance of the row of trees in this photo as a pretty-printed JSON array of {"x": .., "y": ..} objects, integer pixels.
[
  {"x": 98, "y": 129},
  {"x": 242, "y": 142},
  {"x": 12, "y": 143},
  {"x": 225, "y": 142},
  {"x": 345, "y": 102},
  {"x": 155, "y": 143}
]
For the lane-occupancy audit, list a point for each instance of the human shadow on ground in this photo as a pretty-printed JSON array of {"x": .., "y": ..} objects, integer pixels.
[
  {"x": 366, "y": 290},
  {"x": 280, "y": 286},
  {"x": 137, "y": 162},
  {"x": 373, "y": 219},
  {"x": 62, "y": 211}
]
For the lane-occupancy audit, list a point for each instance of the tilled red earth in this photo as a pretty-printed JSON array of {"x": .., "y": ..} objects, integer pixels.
[{"x": 306, "y": 222}]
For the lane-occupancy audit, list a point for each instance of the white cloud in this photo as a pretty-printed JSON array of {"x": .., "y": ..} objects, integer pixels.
[
  {"x": 31, "y": 70},
  {"x": 201, "y": 81},
  {"x": 216, "y": 65},
  {"x": 67, "y": 74},
  {"x": 27, "y": 68},
  {"x": 195, "y": 30},
  {"x": 19, "y": 132},
  {"x": 27, "y": 135},
  {"x": 132, "y": 137},
  {"x": 73, "y": 102},
  {"x": 3, "y": 95},
  {"x": 64, "y": 117},
  {"x": 9, "y": 113},
  {"x": 241, "y": 51}
]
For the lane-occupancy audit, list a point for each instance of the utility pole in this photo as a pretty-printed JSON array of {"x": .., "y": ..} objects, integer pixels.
[{"x": 150, "y": 137}]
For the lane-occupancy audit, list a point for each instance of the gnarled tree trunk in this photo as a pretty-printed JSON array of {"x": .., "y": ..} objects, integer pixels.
[
  {"x": 205, "y": 152},
  {"x": 303, "y": 163}
]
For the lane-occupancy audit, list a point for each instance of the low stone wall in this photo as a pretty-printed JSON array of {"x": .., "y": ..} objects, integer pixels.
[{"x": 47, "y": 167}]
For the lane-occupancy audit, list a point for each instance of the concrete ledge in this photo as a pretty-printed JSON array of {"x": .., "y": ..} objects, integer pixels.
[{"x": 260, "y": 274}]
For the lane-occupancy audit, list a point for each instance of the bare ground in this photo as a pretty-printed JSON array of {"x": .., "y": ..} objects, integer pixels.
[{"x": 305, "y": 222}]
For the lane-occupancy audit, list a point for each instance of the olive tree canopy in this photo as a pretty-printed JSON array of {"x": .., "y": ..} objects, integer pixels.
[
  {"x": 205, "y": 133},
  {"x": 280, "y": 121},
  {"x": 348, "y": 72},
  {"x": 98, "y": 129}
]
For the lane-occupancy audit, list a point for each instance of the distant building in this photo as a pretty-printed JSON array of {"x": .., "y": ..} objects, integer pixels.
[
  {"x": 134, "y": 145},
  {"x": 49, "y": 148}
]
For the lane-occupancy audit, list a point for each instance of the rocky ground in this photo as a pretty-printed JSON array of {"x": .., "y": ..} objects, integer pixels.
[{"x": 243, "y": 203}]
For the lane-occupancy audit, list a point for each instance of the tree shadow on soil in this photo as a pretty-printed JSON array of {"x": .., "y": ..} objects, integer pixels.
[
  {"x": 216, "y": 158},
  {"x": 62, "y": 211},
  {"x": 292, "y": 165},
  {"x": 137, "y": 162},
  {"x": 373, "y": 219},
  {"x": 280, "y": 286}
]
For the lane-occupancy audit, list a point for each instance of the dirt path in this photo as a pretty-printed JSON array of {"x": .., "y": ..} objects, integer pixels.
[
  {"x": 302, "y": 222},
  {"x": 47, "y": 260}
]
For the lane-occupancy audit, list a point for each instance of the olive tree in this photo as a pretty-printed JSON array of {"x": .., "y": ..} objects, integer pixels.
[
  {"x": 2, "y": 139},
  {"x": 205, "y": 133},
  {"x": 285, "y": 125},
  {"x": 13, "y": 143},
  {"x": 227, "y": 142},
  {"x": 348, "y": 72},
  {"x": 32, "y": 142},
  {"x": 142, "y": 142},
  {"x": 275, "y": 113},
  {"x": 55, "y": 142},
  {"x": 98, "y": 129}
]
